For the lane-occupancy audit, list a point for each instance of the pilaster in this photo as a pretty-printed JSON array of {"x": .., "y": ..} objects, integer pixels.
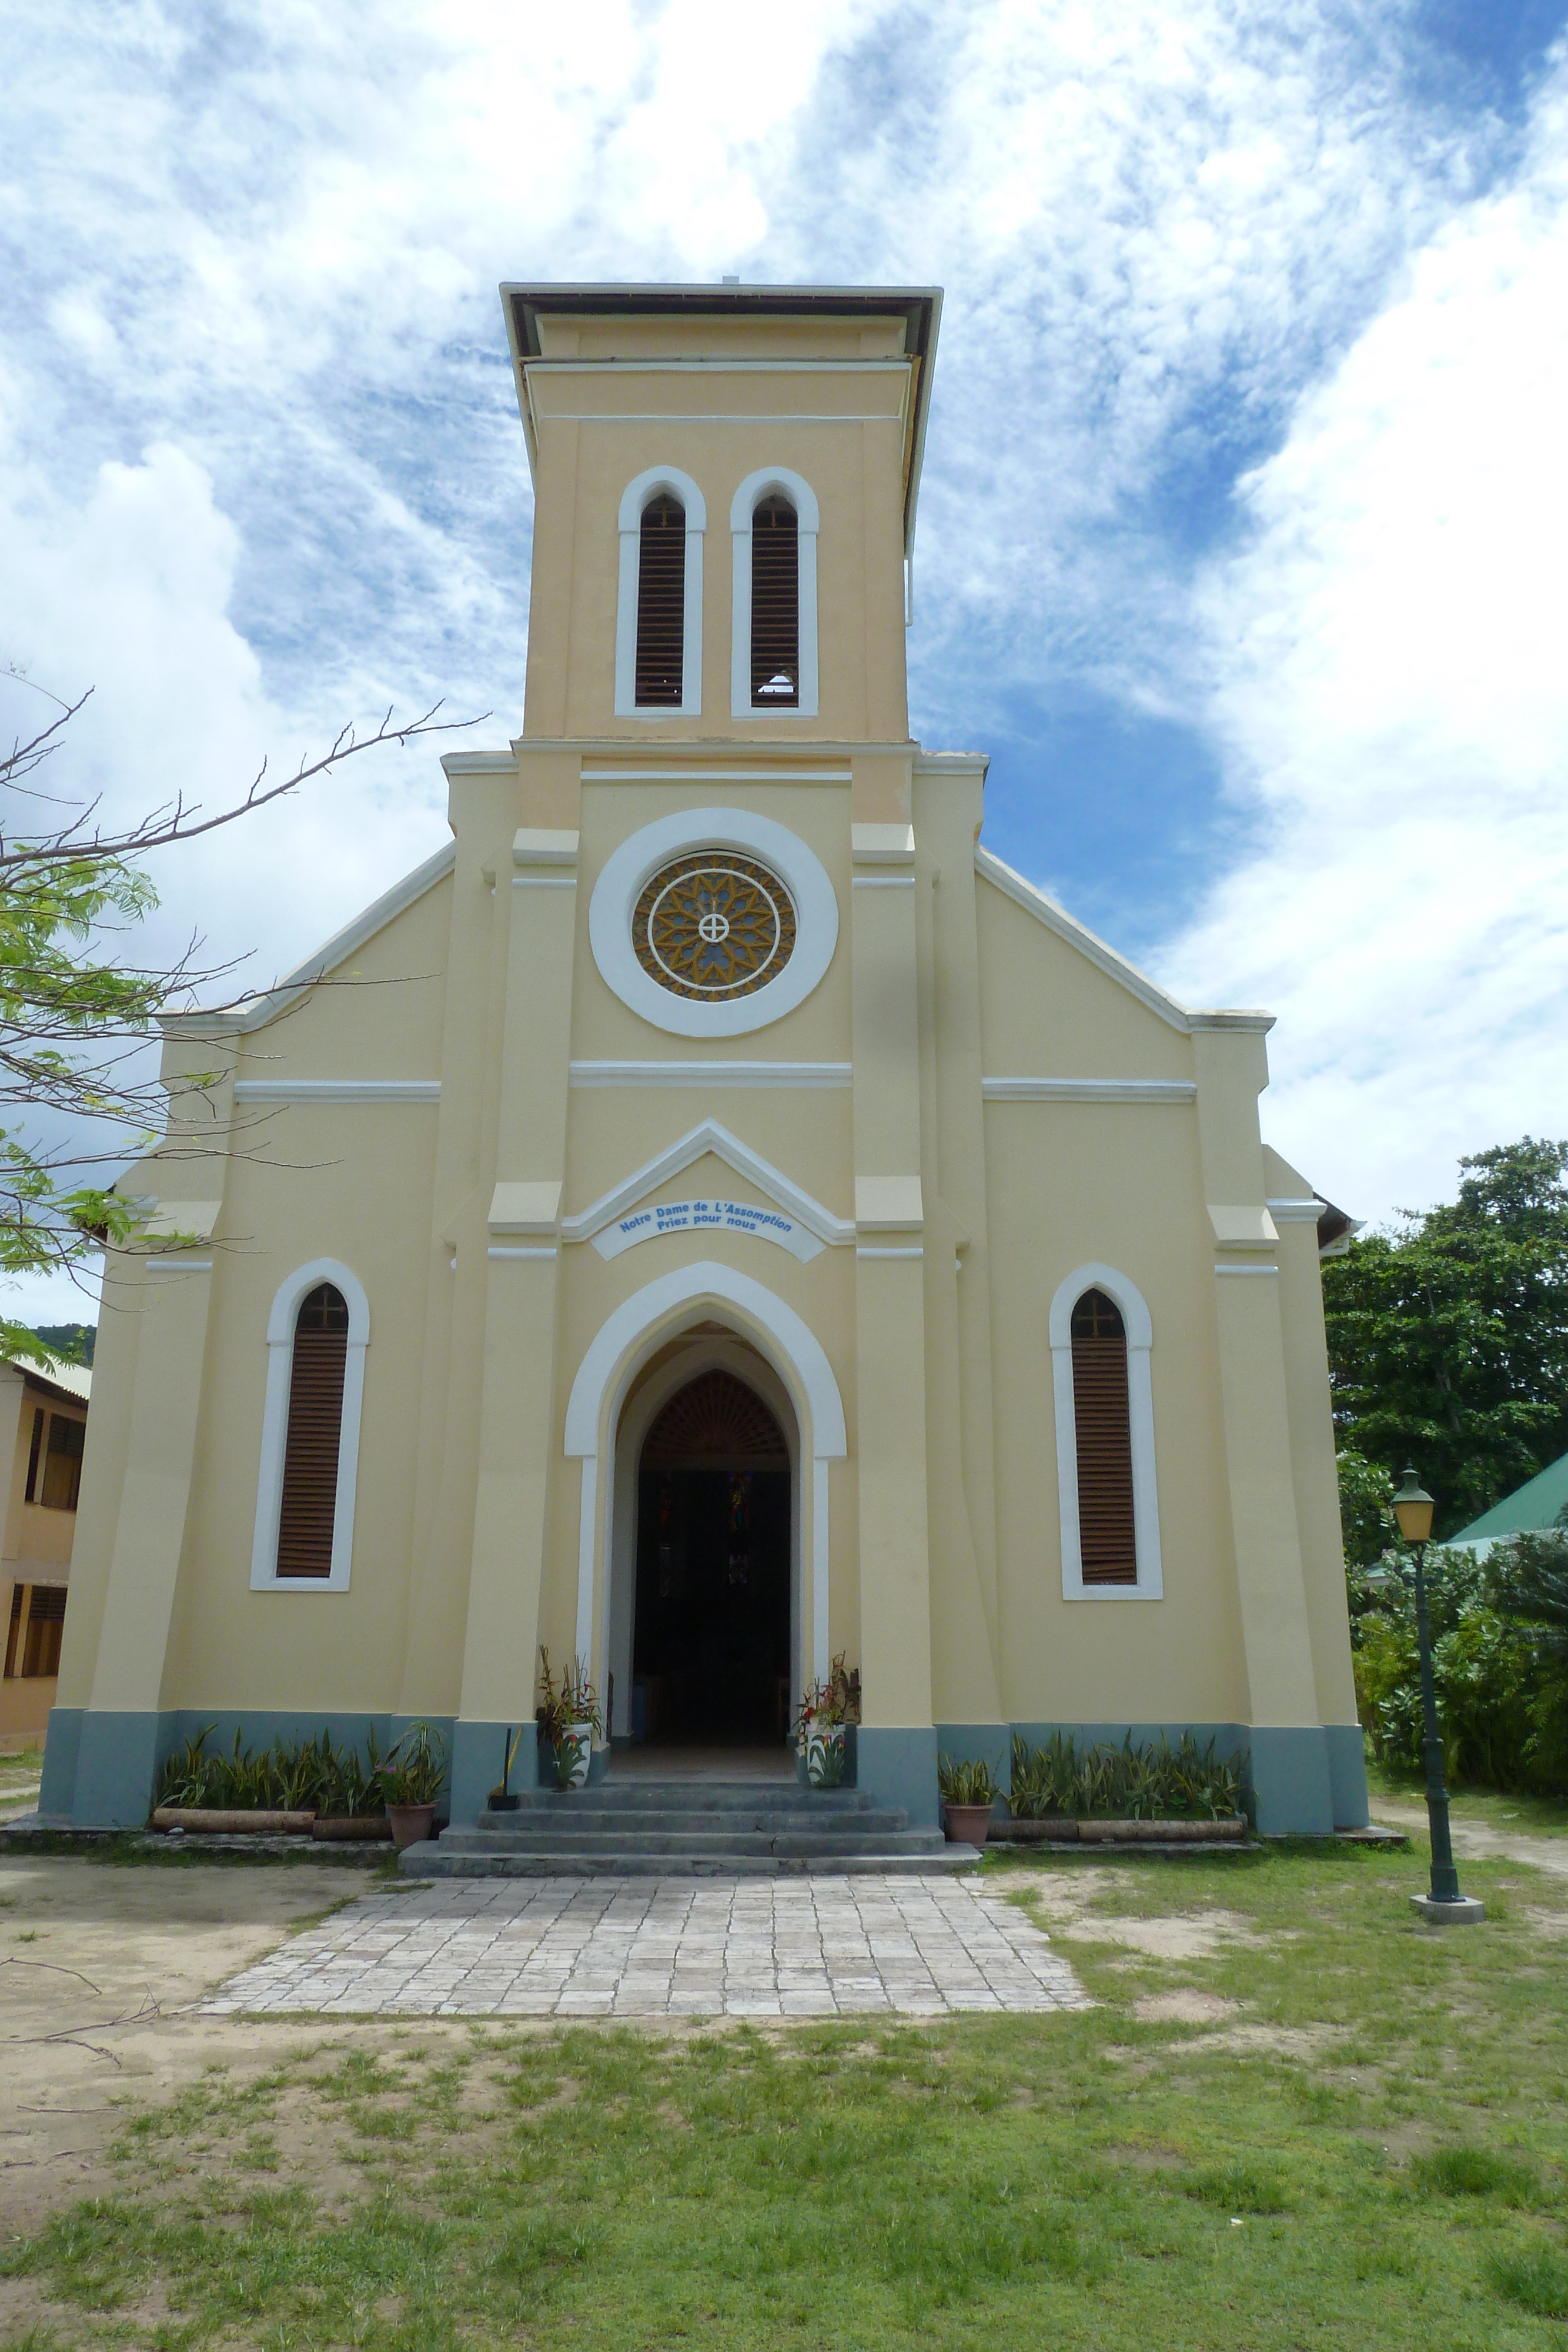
[
  {"x": 890, "y": 1317},
  {"x": 522, "y": 1274},
  {"x": 1293, "y": 1790}
]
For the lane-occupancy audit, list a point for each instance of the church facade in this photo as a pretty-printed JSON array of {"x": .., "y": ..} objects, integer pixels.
[{"x": 714, "y": 1216}]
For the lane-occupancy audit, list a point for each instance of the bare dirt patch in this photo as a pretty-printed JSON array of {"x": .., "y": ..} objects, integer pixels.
[
  {"x": 100, "y": 1968},
  {"x": 1184, "y": 2006},
  {"x": 1068, "y": 1898}
]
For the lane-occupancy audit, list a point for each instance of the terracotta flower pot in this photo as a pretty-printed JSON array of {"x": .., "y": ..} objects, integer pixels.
[
  {"x": 966, "y": 1824},
  {"x": 411, "y": 1824}
]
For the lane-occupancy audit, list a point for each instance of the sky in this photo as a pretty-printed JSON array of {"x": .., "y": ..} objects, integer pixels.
[{"x": 1245, "y": 491}]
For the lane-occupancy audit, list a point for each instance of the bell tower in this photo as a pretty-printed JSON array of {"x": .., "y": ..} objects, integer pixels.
[{"x": 726, "y": 481}]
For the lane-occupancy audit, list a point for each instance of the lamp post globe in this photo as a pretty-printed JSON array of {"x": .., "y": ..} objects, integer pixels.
[{"x": 1412, "y": 1510}]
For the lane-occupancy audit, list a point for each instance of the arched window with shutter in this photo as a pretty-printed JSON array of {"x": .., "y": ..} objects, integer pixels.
[
  {"x": 773, "y": 526},
  {"x": 661, "y": 604},
  {"x": 317, "y": 1335},
  {"x": 775, "y": 605},
  {"x": 1100, "y": 1337},
  {"x": 1107, "y": 1544},
  {"x": 308, "y": 1504},
  {"x": 658, "y": 627}
]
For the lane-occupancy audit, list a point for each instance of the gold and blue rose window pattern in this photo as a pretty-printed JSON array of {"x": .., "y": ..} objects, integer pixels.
[{"x": 713, "y": 925}]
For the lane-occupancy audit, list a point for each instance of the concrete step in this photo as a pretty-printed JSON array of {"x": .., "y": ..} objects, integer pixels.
[
  {"x": 430, "y": 1860},
  {"x": 634, "y": 1841},
  {"x": 681, "y": 1821},
  {"x": 639, "y": 1796}
]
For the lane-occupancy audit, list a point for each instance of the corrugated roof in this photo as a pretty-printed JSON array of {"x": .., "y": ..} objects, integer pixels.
[
  {"x": 74, "y": 1379},
  {"x": 1539, "y": 1503}
]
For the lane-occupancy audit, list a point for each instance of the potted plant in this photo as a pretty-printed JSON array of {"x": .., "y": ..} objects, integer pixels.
[
  {"x": 968, "y": 1789},
  {"x": 412, "y": 1778},
  {"x": 568, "y": 1719},
  {"x": 827, "y": 1709}
]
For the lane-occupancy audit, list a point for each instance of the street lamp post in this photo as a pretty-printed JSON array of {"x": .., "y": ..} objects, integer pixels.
[{"x": 1444, "y": 1905}]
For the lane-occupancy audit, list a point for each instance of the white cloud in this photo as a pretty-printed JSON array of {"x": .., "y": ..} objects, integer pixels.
[
  {"x": 1392, "y": 692},
  {"x": 263, "y": 461}
]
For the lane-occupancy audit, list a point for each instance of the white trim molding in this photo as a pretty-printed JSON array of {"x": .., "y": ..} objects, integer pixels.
[
  {"x": 1139, "y": 1329},
  {"x": 1089, "y": 1090},
  {"x": 338, "y": 1090},
  {"x": 677, "y": 1157},
  {"x": 264, "y": 1576},
  {"x": 636, "y": 497},
  {"x": 620, "y": 885},
  {"x": 623, "y": 1343},
  {"x": 710, "y": 1073},
  {"x": 743, "y": 505}
]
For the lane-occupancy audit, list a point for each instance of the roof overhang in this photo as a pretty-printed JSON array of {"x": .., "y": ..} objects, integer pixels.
[{"x": 919, "y": 307}]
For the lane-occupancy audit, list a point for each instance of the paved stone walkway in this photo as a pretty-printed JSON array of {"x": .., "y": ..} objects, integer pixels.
[{"x": 813, "y": 1946}]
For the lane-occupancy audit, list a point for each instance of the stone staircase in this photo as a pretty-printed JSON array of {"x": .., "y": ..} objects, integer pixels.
[{"x": 638, "y": 1827}]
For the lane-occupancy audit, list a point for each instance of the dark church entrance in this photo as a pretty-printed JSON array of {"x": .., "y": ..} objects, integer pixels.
[{"x": 711, "y": 1636}]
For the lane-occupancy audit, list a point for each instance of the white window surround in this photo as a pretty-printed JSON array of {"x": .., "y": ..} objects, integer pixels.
[
  {"x": 638, "y": 494},
  {"x": 1141, "y": 1415},
  {"x": 802, "y": 498},
  {"x": 623, "y": 1343},
  {"x": 620, "y": 885},
  {"x": 280, "y": 1322}
]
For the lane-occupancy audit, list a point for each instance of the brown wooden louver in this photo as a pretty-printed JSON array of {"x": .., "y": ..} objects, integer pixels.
[
  {"x": 662, "y": 604},
  {"x": 315, "y": 1422},
  {"x": 775, "y": 606},
  {"x": 715, "y": 1423},
  {"x": 1106, "y": 1527}
]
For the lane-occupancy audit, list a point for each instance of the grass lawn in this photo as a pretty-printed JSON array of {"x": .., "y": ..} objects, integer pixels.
[
  {"x": 1515, "y": 1816},
  {"x": 20, "y": 1774},
  {"x": 1296, "y": 2118}
]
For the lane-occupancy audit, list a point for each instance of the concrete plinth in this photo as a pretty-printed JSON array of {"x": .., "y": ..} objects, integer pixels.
[{"x": 1463, "y": 1911}]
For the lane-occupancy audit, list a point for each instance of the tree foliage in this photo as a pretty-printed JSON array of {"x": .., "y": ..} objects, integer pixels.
[
  {"x": 1500, "y": 1663},
  {"x": 1448, "y": 1340},
  {"x": 74, "y": 1012}
]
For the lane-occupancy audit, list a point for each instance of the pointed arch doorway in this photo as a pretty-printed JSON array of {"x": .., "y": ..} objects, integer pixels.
[{"x": 705, "y": 1606}]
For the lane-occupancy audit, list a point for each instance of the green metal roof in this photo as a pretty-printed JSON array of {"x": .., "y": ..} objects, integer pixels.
[{"x": 1539, "y": 1502}]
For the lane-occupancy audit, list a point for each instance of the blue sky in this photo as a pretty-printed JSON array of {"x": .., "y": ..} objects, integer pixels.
[{"x": 1244, "y": 486}]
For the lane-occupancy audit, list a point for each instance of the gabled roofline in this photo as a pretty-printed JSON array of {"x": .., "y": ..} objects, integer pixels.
[
  {"x": 336, "y": 949},
  {"x": 920, "y": 306},
  {"x": 676, "y": 1158},
  {"x": 1115, "y": 967}
]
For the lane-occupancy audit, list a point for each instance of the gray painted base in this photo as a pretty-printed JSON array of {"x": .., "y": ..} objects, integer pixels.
[
  {"x": 898, "y": 1768},
  {"x": 1347, "y": 1775},
  {"x": 101, "y": 1768}
]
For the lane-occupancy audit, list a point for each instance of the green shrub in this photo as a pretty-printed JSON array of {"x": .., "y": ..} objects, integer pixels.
[
  {"x": 299, "y": 1776},
  {"x": 1148, "y": 1783},
  {"x": 1497, "y": 1668}
]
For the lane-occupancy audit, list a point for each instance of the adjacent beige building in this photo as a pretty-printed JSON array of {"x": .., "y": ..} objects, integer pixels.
[
  {"x": 43, "y": 1426},
  {"x": 715, "y": 1215}
]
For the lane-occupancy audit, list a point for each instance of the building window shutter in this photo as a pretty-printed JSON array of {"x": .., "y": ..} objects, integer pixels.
[
  {"x": 309, "y": 1501},
  {"x": 62, "y": 1462},
  {"x": 13, "y": 1630},
  {"x": 45, "y": 1623},
  {"x": 662, "y": 605},
  {"x": 775, "y": 606},
  {"x": 33, "y": 1451},
  {"x": 1105, "y": 1525}
]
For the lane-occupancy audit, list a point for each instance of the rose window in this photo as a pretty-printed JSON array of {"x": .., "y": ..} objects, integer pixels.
[{"x": 714, "y": 924}]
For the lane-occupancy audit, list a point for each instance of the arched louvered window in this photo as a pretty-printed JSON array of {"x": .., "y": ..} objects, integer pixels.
[
  {"x": 775, "y": 605},
  {"x": 1107, "y": 1534},
  {"x": 1102, "y": 1337},
  {"x": 662, "y": 604},
  {"x": 307, "y": 1507}
]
